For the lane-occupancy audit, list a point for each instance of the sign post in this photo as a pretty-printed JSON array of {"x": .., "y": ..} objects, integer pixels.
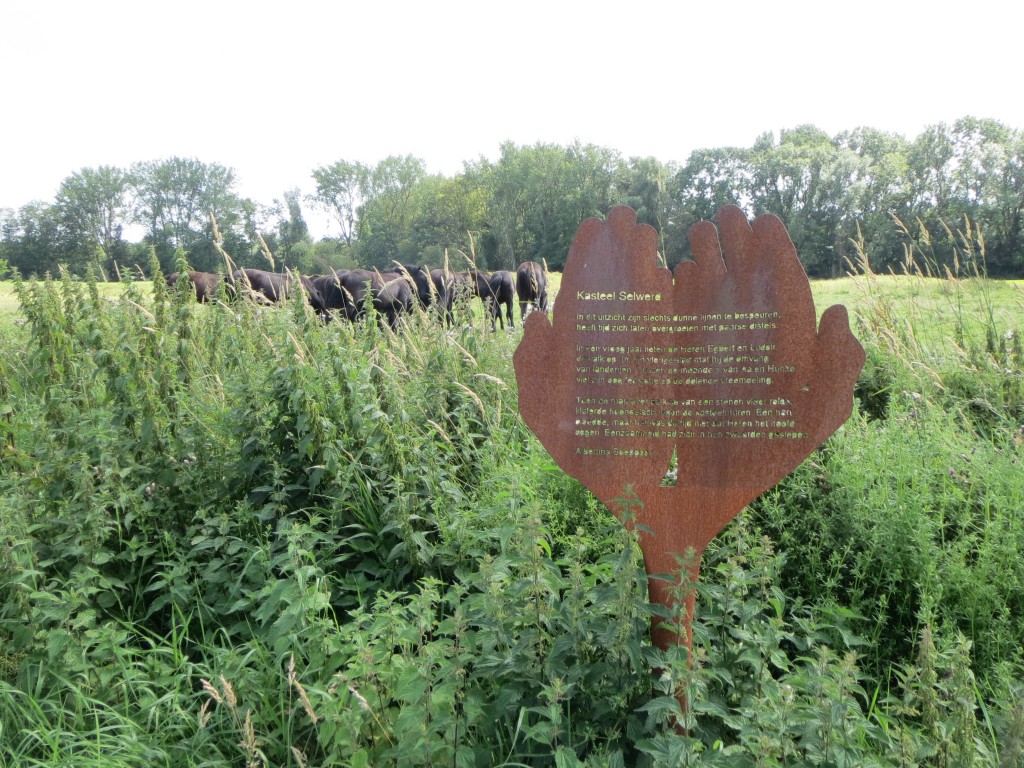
[{"x": 718, "y": 371}]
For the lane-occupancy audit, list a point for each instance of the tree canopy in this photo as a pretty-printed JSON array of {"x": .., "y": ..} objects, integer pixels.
[{"x": 862, "y": 186}]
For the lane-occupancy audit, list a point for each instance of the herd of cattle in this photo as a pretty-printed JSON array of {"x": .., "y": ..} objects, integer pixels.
[{"x": 347, "y": 292}]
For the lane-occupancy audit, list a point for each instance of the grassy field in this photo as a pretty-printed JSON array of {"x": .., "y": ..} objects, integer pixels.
[
  {"x": 930, "y": 309},
  {"x": 926, "y": 304},
  {"x": 9, "y": 310}
]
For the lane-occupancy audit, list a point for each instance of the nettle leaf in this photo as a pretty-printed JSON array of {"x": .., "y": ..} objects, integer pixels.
[
  {"x": 411, "y": 686},
  {"x": 272, "y": 599}
]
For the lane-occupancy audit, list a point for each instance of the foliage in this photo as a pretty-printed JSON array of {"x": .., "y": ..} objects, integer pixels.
[
  {"x": 176, "y": 199},
  {"x": 32, "y": 238},
  {"x": 453, "y": 213},
  {"x": 710, "y": 179},
  {"x": 292, "y": 242},
  {"x": 538, "y": 195},
  {"x": 93, "y": 205},
  {"x": 232, "y": 535},
  {"x": 913, "y": 509},
  {"x": 389, "y": 211},
  {"x": 831, "y": 192},
  {"x": 805, "y": 181},
  {"x": 340, "y": 190}
]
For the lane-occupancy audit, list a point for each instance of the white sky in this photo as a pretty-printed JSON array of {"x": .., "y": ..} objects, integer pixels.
[{"x": 276, "y": 88}]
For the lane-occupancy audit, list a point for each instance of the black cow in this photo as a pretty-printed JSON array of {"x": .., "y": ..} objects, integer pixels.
[
  {"x": 422, "y": 285},
  {"x": 272, "y": 287},
  {"x": 497, "y": 289},
  {"x": 259, "y": 284},
  {"x": 391, "y": 294},
  {"x": 331, "y": 295},
  {"x": 531, "y": 287},
  {"x": 437, "y": 288},
  {"x": 313, "y": 296},
  {"x": 454, "y": 291},
  {"x": 447, "y": 288},
  {"x": 203, "y": 283}
]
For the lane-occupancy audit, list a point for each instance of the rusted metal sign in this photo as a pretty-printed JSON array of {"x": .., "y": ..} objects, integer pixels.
[{"x": 716, "y": 375}]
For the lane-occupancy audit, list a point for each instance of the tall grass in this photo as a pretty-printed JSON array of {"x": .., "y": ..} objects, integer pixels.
[
  {"x": 232, "y": 535},
  {"x": 954, "y": 331}
]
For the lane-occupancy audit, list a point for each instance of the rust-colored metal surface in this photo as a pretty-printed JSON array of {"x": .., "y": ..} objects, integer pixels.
[{"x": 720, "y": 364}]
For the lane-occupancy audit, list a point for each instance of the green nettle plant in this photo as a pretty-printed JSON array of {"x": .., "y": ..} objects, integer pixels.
[{"x": 234, "y": 535}]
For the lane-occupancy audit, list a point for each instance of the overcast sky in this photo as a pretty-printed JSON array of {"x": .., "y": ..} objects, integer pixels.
[{"x": 275, "y": 89}]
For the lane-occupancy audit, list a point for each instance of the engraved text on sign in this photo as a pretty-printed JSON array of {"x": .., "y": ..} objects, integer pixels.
[{"x": 720, "y": 366}]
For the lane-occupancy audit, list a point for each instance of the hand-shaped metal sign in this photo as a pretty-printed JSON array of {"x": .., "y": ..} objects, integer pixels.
[{"x": 720, "y": 364}]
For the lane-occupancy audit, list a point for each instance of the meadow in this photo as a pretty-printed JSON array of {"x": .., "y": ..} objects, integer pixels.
[{"x": 231, "y": 535}]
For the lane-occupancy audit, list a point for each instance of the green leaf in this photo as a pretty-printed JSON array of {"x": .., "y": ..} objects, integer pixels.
[
  {"x": 411, "y": 686},
  {"x": 566, "y": 758}
]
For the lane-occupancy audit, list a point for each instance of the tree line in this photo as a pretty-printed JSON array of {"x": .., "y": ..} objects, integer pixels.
[{"x": 868, "y": 188}]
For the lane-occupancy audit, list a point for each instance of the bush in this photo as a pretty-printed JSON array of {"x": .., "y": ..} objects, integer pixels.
[{"x": 230, "y": 534}]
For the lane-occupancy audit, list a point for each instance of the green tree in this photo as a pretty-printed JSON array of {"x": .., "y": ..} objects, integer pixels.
[
  {"x": 292, "y": 244},
  {"x": 930, "y": 165},
  {"x": 880, "y": 192},
  {"x": 588, "y": 188},
  {"x": 93, "y": 208},
  {"x": 341, "y": 189},
  {"x": 385, "y": 220},
  {"x": 710, "y": 179},
  {"x": 238, "y": 234},
  {"x": 506, "y": 235},
  {"x": 33, "y": 242},
  {"x": 935, "y": 203},
  {"x": 451, "y": 216},
  {"x": 804, "y": 180},
  {"x": 642, "y": 184},
  {"x": 1005, "y": 236},
  {"x": 175, "y": 199},
  {"x": 332, "y": 253},
  {"x": 539, "y": 195},
  {"x": 986, "y": 186},
  {"x": 645, "y": 185}
]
